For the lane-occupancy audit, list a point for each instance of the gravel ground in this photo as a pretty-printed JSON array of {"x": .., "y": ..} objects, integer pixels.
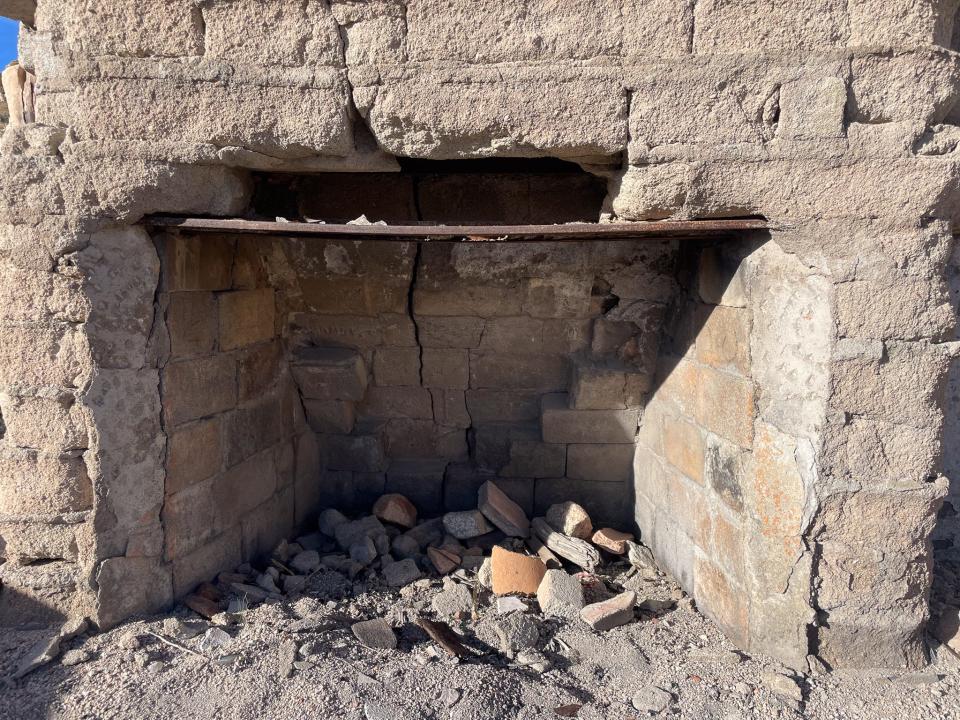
[{"x": 574, "y": 672}]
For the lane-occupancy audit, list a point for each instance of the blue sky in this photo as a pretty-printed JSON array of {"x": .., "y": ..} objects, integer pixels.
[{"x": 8, "y": 41}]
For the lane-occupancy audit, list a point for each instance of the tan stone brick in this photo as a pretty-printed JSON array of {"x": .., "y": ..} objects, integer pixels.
[
  {"x": 245, "y": 486},
  {"x": 494, "y": 406},
  {"x": 193, "y": 454},
  {"x": 563, "y": 425},
  {"x": 394, "y": 366},
  {"x": 134, "y": 586},
  {"x": 521, "y": 335},
  {"x": 246, "y": 317},
  {"x": 724, "y": 338},
  {"x": 726, "y": 406},
  {"x": 450, "y": 408},
  {"x": 52, "y": 425},
  {"x": 331, "y": 295},
  {"x": 258, "y": 369},
  {"x": 535, "y": 459},
  {"x": 601, "y": 463},
  {"x": 252, "y": 428},
  {"x": 598, "y": 388},
  {"x": 330, "y": 416},
  {"x": 566, "y": 336},
  {"x": 684, "y": 447},
  {"x": 610, "y": 338},
  {"x": 24, "y": 543},
  {"x": 397, "y": 402},
  {"x": 398, "y": 330},
  {"x": 723, "y": 602},
  {"x": 727, "y": 470},
  {"x": 34, "y": 483},
  {"x": 220, "y": 553},
  {"x": 200, "y": 262},
  {"x": 558, "y": 297},
  {"x": 34, "y": 355},
  {"x": 450, "y": 332},
  {"x": 353, "y": 331},
  {"x": 463, "y": 299},
  {"x": 605, "y": 502},
  {"x": 329, "y": 373},
  {"x": 680, "y": 492},
  {"x": 190, "y": 518},
  {"x": 546, "y": 373},
  {"x": 420, "y": 481},
  {"x": 362, "y": 453},
  {"x": 265, "y": 526},
  {"x": 727, "y": 547},
  {"x": 721, "y": 279},
  {"x": 193, "y": 389},
  {"x": 679, "y": 385},
  {"x": 191, "y": 323},
  {"x": 446, "y": 368},
  {"x": 405, "y": 438},
  {"x": 492, "y": 442},
  {"x": 249, "y": 264}
]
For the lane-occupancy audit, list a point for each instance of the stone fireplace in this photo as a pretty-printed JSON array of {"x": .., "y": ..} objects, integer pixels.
[{"x": 765, "y": 405}]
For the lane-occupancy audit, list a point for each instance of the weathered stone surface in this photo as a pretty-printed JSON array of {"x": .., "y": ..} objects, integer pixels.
[
  {"x": 610, "y": 613},
  {"x": 563, "y": 425},
  {"x": 502, "y": 511},
  {"x": 400, "y": 573},
  {"x": 376, "y": 634},
  {"x": 560, "y": 594},
  {"x": 466, "y": 524},
  {"x": 570, "y": 519},
  {"x": 396, "y": 509},
  {"x": 330, "y": 374},
  {"x": 611, "y": 540},
  {"x": 515, "y": 573},
  {"x": 600, "y": 462}
]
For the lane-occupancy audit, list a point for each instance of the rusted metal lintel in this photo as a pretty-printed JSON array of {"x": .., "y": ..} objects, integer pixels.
[{"x": 573, "y": 232}]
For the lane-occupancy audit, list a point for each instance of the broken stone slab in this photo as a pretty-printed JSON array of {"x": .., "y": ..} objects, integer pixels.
[
  {"x": 573, "y": 549},
  {"x": 376, "y": 634},
  {"x": 613, "y": 541},
  {"x": 560, "y": 594},
  {"x": 509, "y": 604},
  {"x": 466, "y": 524},
  {"x": 402, "y": 572},
  {"x": 543, "y": 552},
  {"x": 947, "y": 628},
  {"x": 515, "y": 573},
  {"x": 611, "y": 613},
  {"x": 570, "y": 519},
  {"x": 404, "y": 546},
  {"x": 426, "y": 533},
  {"x": 783, "y": 686},
  {"x": 286, "y": 657},
  {"x": 443, "y": 560},
  {"x": 503, "y": 512},
  {"x": 397, "y": 509},
  {"x": 363, "y": 551},
  {"x": 329, "y": 520},
  {"x": 305, "y": 562},
  {"x": 453, "y": 602},
  {"x": 214, "y": 639},
  {"x": 353, "y": 532},
  {"x": 510, "y": 633},
  {"x": 651, "y": 700},
  {"x": 252, "y": 592},
  {"x": 41, "y": 653}
]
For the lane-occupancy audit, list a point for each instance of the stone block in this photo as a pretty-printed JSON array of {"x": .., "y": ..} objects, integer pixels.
[
  {"x": 244, "y": 487},
  {"x": 558, "y": 297},
  {"x": 754, "y": 26},
  {"x": 393, "y": 366},
  {"x": 190, "y": 518},
  {"x": 51, "y": 425},
  {"x": 446, "y": 368},
  {"x": 34, "y": 483},
  {"x": 722, "y": 601},
  {"x": 420, "y": 481},
  {"x": 191, "y": 323},
  {"x": 412, "y": 403},
  {"x": 461, "y": 486},
  {"x": 544, "y": 373},
  {"x": 502, "y": 406},
  {"x": 398, "y": 330},
  {"x": 600, "y": 463},
  {"x": 354, "y": 453},
  {"x": 258, "y": 369},
  {"x": 491, "y": 442},
  {"x": 535, "y": 459},
  {"x": 727, "y": 471},
  {"x": 341, "y": 295},
  {"x": 25, "y": 543},
  {"x": 462, "y": 300},
  {"x": 503, "y": 512},
  {"x": 193, "y": 389},
  {"x": 608, "y": 614},
  {"x": 353, "y": 331},
  {"x": 329, "y": 374},
  {"x": 175, "y": 30},
  {"x": 515, "y": 573},
  {"x": 563, "y": 337},
  {"x": 721, "y": 278},
  {"x": 519, "y": 335},
  {"x": 565, "y": 426},
  {"x": 423, "y": 439},
  {"x": 609, "y": 504},
  {"x": 132, "y": 586},
  {"x": 598, "y": 388},
  {"x": 812, "y": 108},
  {"x": 266, "y": 525},
  {"x": 450, "y": 332},
  {"x": 252, "y": 428},
  {"x": 46, "y": 593},
  {"x": 352, "y": 492},
  {"x": 684, "y": 447},
  {"x": 36, "y": 355},
  {"x": 246, "y": 317},
  {"x": 560, "y": 594},
  {"x": 330, "y": 416},
  {"x": 221, "y": 553},
  {"x": 193, "y": 454},
  {"x": 723, "y": 341},
  {"x": 197, "y": 262},
  {"x": 450, "y": 408},
  {"x": 307, "y": 487}
]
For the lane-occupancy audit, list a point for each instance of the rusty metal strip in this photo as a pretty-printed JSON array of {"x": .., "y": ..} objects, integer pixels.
[{"x": 574, "y": 232}]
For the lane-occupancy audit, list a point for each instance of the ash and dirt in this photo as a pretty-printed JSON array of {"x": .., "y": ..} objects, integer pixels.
[{"x": 575, "y": 672}]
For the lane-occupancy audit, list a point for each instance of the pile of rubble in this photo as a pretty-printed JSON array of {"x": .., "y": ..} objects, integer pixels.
[{"x": 493, "y": 552}]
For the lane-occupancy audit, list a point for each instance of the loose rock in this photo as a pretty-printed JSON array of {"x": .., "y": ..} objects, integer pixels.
[
  {"x": 573, "y": 549},
  {"x": 610, "y": 613},
  {"x": 515, "y": 573},
  {"x": 76, "y": 657},
  {"x": 329, "y": 520},
  {"x": 466, "y": 524},
  {"x": 560, "y": 594},
  {"x": 570, "y": 519},
  {"x": 652, "y": 700},
  {"x": 453, "y": 602},
  {"x": 353, "y": 532},
  {"x": 443, "y": 560},
  {"x": 364, "y": 551},
  {"x": 306, "y": 562},
  {"x": 286, "y": 656},
  {"x": 396, "y": 509},
  {"x": 375, "y": 634},
  {"x": 214, "y": 639},
  {"x": 402, "y": 572},
  {"x": 612, "y": 540},
  {"x": 783, "y": 686},
  {"x": 502, "y": 511},
  {"x": 404, "y": 546}
]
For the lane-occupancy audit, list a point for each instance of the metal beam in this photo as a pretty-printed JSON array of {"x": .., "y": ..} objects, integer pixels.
[{"x": 572, "y": 232}]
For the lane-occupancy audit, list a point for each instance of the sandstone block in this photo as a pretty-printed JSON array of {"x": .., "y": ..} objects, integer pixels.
[
  {"x": 330, "y": 374},
  {"x": 724, "y": 338},
  {"x": 397, "y": 402},
  {"x": 419, "y": 480},
  {"x": 336, "y": 417},
  {"x": 33, "y": 483},
  {"x": 598, "y": 388},
  {"x": 502, "y": 406},
  {"x": 503, "y": 512},
  {"x": 134, "y": 586},
  {"x": 450, "y": 408},
  {"x": 721, "y": 279},
  {"x": 491, "y": 443},
  {"x": 684, "y": 447},
  {"x": 52, "y": 425},
  {"x": 423, "y": 439},
  {"x": 252, "y": 428},
  {"x": 545, "y": 373},
  {"x": 556, "y": 298},
  {"x": 727, "y": 470},
  {"x": 566, "y": 426},
  {"x": 520, "y": 335},
  {"x": 461, "y": 299},
  {"x": 171, "y": 31},
  {"x": 722, "y": 601},
  {"x": 610, "y": 613},
  {"x": 446, "y": 368},
  {"x": 193, "y": 454},
  {"x": 258, "y": 368},
  {"x": 605, "y": 501},
  {"x": 535, "y": 459},
  {"x": 376, "y": 634},
  {"x": 450, "y": 332},
  {"x": 396, "y": 366},
  {"x": 560, "y": 594},
  {"x": 191, "y": 323},
  {"x": 245, "y": 486},
  {"x": 196, "y": 388},
  {"x": 355, "y": 453},
  {"x": 466, "y": 524},
  {"x": 444, "y": 561},
  {"x": 246, "y": 317},
  {"x": 612, "y": 540},
  {"x": 515, "y": 573},
  {"x": 396, "y": 509},
  {"x": 197, "y": 262},
  {"x": 570, "y": 519},
  {"x": 600, "y": 463},
  {"x": 353, "y": 331}
]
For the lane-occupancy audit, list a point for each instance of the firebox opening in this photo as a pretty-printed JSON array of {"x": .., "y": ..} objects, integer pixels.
[{"x": 508, "y": 191}]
